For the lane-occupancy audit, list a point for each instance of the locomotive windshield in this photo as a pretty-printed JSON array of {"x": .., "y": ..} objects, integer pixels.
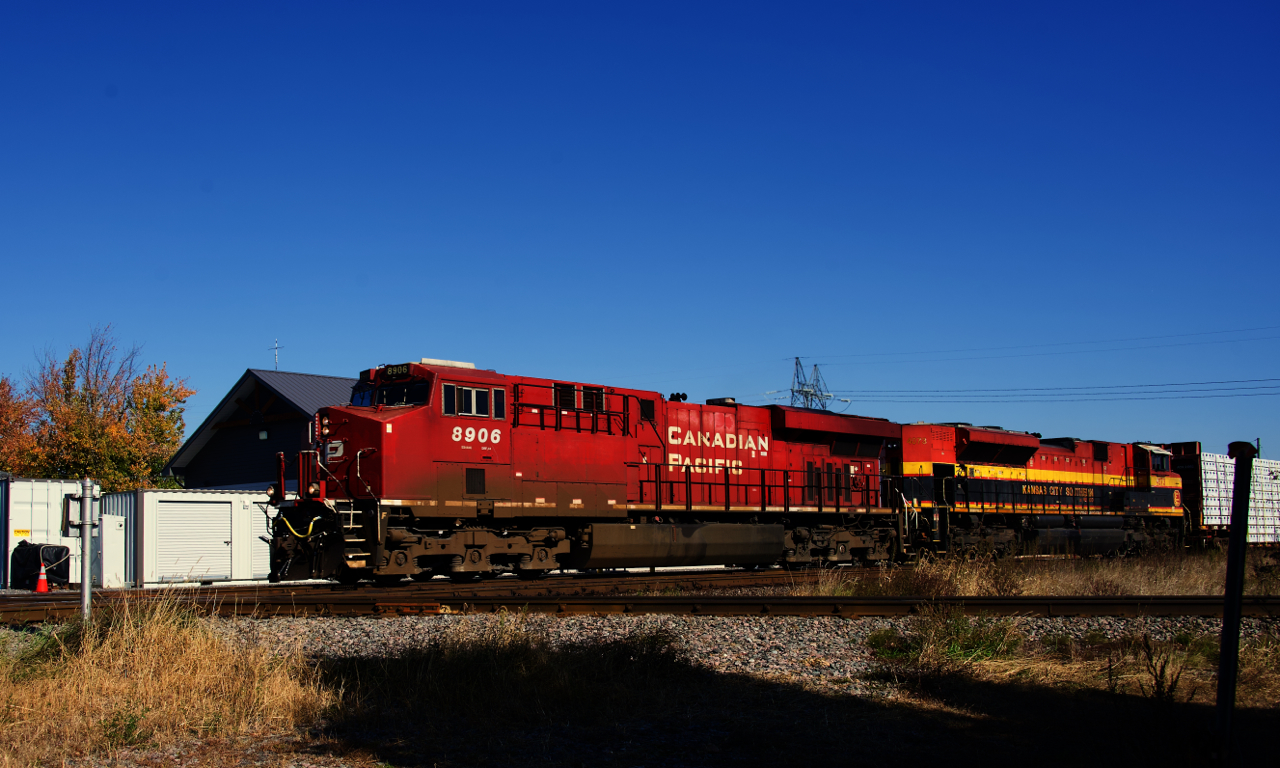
[{"x": 407, "y": 393}]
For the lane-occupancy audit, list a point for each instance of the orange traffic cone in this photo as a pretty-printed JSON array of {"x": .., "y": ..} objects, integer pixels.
[{"x": 42, "y": 583}]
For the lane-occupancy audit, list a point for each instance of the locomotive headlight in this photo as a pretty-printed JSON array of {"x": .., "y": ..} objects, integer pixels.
[
  {"x": 324, "y": 421},
  {"x": 271, "y": 491},
  {"x": 324, "y": 431},
  {"x": 313, "y": 489}
]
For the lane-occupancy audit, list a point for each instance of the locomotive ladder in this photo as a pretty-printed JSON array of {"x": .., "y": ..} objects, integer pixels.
[{"x": 353, "y": 533}]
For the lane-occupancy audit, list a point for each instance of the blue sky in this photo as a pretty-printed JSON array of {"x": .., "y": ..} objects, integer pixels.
[{"x": 681, "y": 197}]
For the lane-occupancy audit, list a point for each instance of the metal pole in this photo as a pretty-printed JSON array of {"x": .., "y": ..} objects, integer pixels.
[
  {"x": 86, "y": 545},
  {"x": 1228, "y": 664}
]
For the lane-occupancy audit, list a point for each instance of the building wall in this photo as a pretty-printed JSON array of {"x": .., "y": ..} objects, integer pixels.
[{"x": 235, "y": 455}]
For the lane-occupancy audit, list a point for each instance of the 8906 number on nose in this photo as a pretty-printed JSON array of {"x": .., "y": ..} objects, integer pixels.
[{"x": 472, "y": 435}]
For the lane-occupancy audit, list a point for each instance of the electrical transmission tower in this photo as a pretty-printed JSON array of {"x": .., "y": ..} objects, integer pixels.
[{"x": 810, "y": 391}]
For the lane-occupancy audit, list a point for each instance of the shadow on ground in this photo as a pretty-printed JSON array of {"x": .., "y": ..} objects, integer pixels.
[{"x": 629, "y": 704}]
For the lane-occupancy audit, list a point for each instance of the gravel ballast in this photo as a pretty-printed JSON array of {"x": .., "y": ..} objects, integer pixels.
[{"x": 825, "y": 651}]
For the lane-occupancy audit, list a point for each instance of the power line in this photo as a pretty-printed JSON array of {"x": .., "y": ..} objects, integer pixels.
[
  {"x": 1053, "y": 344},
  {"x": 1066, "y": 352},
  {"x": 1171, "y": 396},
  {"x": 1046, "y": 389}
]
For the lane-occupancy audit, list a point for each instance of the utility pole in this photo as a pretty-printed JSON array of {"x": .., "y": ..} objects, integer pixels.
[
  {"x": 808, "y": 391},
  {"x": 86, "y": 545},
  {"x": 1229, "y": 655}
]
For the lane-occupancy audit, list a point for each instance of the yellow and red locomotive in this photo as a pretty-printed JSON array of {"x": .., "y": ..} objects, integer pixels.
[{"x": 987, "y": 489}]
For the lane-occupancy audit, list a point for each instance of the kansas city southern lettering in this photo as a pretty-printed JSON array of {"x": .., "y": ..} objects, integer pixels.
[{"x": 1076, "y": 491}]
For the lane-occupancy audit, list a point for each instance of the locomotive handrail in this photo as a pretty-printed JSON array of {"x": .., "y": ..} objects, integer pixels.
[
  {"x": 688, "y": 488},
  {"x": 519, "y": 406},
  {"x": 735, "y": 485}
]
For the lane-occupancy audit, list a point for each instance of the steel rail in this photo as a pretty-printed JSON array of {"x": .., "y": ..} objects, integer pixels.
[
  {"x": 390, "y": 602},
  {"x": 557, "y": 584}
]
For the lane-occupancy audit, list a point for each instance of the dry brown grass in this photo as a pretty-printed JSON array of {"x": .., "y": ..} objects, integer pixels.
[
  {"x": 143, "y": 675},
  {"x": 1156, "y": 574},
  {"x": 1182, "y": 670},
  {"x": 1178, "y": 670}
]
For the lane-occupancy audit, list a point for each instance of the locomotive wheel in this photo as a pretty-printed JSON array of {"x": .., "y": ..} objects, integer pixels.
[
  {"x": 530, "y": 574},
  {"x": 464, "y": 577},
  {"x": 351, "y": 576},
  {"x": 388, "y": 579},
  {"x": 426, "y": 575}
]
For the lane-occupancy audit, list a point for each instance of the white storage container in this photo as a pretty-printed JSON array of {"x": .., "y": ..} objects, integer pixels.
[
  {"x": 32, "y": 511},
  {"x": 194, "y": 536}
]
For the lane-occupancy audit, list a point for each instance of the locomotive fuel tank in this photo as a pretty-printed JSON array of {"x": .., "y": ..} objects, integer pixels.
[{"x": 614, "y": 545}]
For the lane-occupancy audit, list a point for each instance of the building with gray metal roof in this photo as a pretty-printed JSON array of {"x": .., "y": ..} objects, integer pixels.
[{"x": 265, "y": 413}]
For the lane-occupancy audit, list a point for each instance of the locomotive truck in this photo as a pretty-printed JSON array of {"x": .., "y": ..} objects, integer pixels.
[{"x": 437, "y": 467}]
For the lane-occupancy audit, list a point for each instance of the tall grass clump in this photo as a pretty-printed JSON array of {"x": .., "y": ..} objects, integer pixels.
[
  {"x": 945, "y": 577},
  {"x": 143, "y": 673},
  {"x": 945, "y": 636}
]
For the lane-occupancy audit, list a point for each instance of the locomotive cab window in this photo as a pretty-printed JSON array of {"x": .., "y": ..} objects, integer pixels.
[
  {"x": 361, "y": 395},
  {"x": 408, "y": 393},
  {"x": 457, "y": 400},
  {"x": 1159, "y": 462}
]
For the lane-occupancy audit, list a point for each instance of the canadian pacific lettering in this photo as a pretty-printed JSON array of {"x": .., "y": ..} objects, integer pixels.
[{"x": 729, "y": 440}]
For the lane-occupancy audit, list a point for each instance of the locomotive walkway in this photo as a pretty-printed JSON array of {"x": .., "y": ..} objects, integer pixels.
[{"x": 565, "y": 595}]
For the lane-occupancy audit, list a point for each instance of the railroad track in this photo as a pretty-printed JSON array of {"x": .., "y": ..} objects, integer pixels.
[
  {"x": 65, "y": 603},
  {"x": 391, "y": 602}
]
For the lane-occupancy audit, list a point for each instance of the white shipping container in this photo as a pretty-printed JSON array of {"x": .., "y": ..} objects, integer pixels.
[
  {"x": 1217, "y": 486},
  {"x": 32, "y": 511},
  {"x": 192, "y": 536}
]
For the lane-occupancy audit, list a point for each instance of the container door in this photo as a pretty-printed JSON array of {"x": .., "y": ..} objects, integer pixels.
[
  {"x": 259, "y": 550},
  {"x": 193, "y": 540}
]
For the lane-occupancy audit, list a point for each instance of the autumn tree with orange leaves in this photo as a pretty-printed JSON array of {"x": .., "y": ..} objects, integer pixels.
[
  {"x": 94, "y": 413},
  {"x": 17, "y": 440}
]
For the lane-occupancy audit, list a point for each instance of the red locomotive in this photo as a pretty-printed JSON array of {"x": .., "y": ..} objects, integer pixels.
[{"x": 439, "y": 468}]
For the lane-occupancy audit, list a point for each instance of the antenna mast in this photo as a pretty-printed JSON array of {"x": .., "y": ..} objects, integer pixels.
[{"x": 276, "y": 348}]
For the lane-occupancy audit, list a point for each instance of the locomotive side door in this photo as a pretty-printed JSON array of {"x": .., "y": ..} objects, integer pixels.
[
  {"x": 1141, "y": 469},
  {"x": 944, "y": 499},
  {"x": 642, "y": 484}
]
